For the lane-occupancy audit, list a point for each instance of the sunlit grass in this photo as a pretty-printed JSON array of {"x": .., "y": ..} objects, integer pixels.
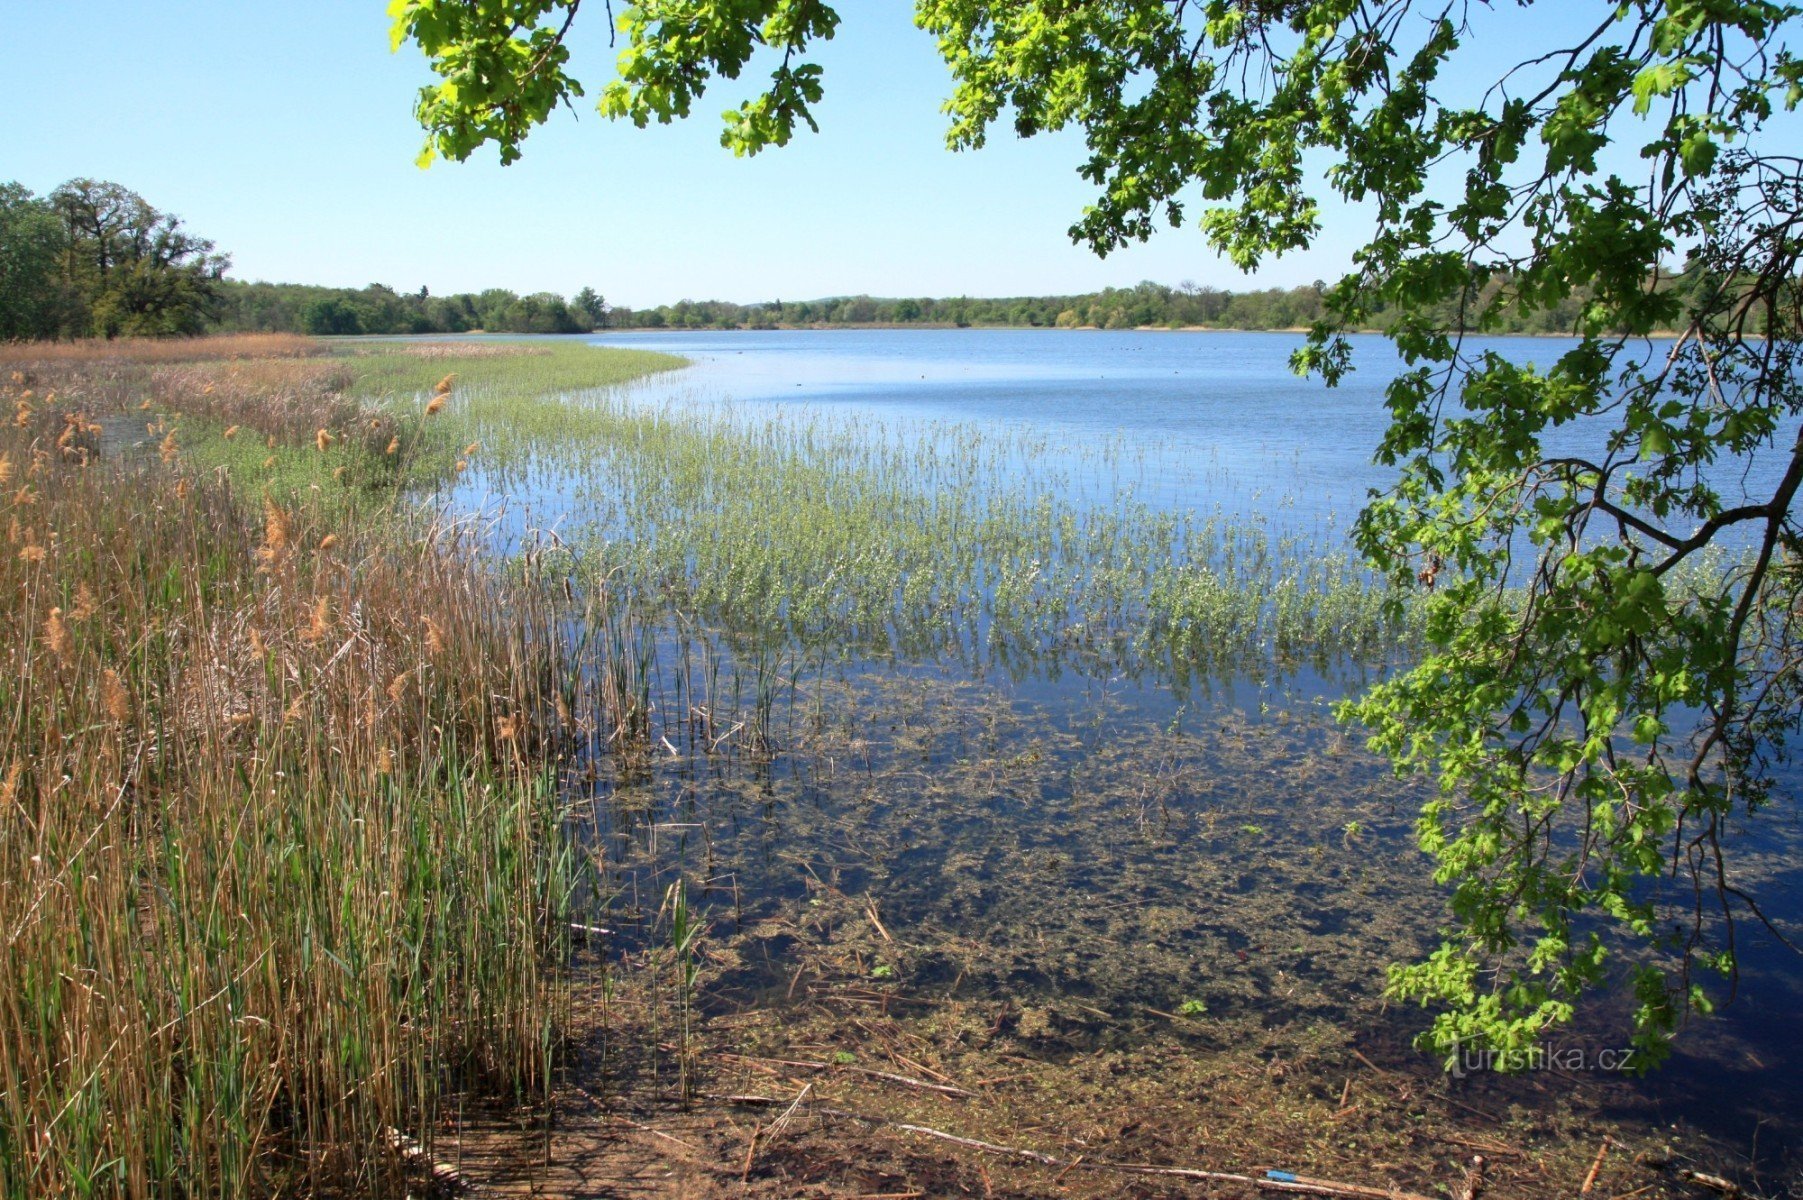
[
  {"x": 282, "y": 858},
  {"x": 807, "y": 528}
]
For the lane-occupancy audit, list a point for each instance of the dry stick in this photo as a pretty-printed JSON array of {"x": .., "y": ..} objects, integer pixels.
[
  {"x": 1274, "y": 1181},
  {"x": 1714, "y": 1183},
  {"x": 870, "y": 910},
  {"x": 658, "y": 1133},
  {"x": 945, "y": 1089},
  {"x": 892, "y": 1077},
  {"x": 1488, "y": 1147},
  {"x": 1595, "y": 1168},
  {"x": 751, "y": 1148},
  {"x": 909, "y": 1063}
]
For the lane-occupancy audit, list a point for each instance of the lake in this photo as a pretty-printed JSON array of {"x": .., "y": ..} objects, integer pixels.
[{"x": 1066, "y": 800}]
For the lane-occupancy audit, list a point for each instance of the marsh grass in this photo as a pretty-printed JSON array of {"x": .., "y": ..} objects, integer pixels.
[
  {"x": 282, "y": 857},
  {"x": 935, "y": 540},
  {"x": 121, "y": 352},
  {"x": 504, "y": 372}
]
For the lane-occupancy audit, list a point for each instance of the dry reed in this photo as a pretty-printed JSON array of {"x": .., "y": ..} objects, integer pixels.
[{"x": 280, "y": 860}]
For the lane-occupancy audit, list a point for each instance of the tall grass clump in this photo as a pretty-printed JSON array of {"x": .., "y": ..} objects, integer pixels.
[{"x": 281, "y": 856}]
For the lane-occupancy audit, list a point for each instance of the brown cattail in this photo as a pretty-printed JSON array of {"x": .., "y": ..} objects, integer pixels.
[
  {"x": 182, "y": 488},
  {"x": 321, "y": 622},
  {"x": 338, "y": 473},
  {"x": 278, "y": 534},
  {"x": 85, "y": 604},
  {"x": 435, "y": 405},
  {"x": 9, "y": 787},
  {"x": 322, "y": 439},
  {"x": 257, "y": 646},
  {"x": 434, "y": 637},
  {"x": 507, "y": 728},
  {"x": 31, "y": 552},
  {"x": 269, "y": 462},
  {"x": 469, "y": 451},
  {"x": 24, "y": 498},
  {"x": 6, "y": 469},
  {"x": 57, "y": 635},
  {"x": 462, "y": 465},
  {"x": 394, "y": 447},
  {"x": 385, "y": 761},
  {"x": 444, "y": 385},
  {"x": 328, "y": 541},
  {"x": 167, "y": 449},
  {"x": 145, "y": 407},
  {"x": 397, "y": 687},
  {"x": 114, "y": 698},
  {"x": 269, "y": 442},
  {"x": 231, "y": 432}
]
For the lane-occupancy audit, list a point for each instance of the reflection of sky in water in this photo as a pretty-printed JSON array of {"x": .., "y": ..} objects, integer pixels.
[{"x": 1202, "y": 420}]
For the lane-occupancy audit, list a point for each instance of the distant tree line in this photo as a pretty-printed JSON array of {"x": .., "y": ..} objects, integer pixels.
[
  {"x": 94, "y": 259},
  {"x": 379, "y": 309}
]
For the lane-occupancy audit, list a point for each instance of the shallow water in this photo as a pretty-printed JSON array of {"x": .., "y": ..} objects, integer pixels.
[{"x": 1101, "y": 849}]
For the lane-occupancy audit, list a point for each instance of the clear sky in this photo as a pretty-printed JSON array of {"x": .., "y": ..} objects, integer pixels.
[{"x": 284, "y": 131}]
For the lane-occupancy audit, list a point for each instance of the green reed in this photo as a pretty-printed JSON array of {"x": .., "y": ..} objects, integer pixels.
[
  {"x": 283, "y": 858},
  {"x": 928, "y": 539}
]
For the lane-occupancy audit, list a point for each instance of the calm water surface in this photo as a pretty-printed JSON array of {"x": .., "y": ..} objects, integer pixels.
[
  {"x": 1210, "y": 420},
  {"x": 1201, "y": 422}
]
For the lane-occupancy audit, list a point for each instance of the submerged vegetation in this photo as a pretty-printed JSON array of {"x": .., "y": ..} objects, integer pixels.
[{"x": 846, "y": 536}]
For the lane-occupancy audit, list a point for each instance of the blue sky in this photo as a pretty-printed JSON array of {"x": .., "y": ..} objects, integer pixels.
[{"x": 284, "y": 131}]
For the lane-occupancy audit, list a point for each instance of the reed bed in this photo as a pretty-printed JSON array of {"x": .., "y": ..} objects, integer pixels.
[
  {"x": 498, "y": 374},
  {"x": 160, "y": 350},
  {"x": 282, "y": 858},
  {"x": 939, "y": 539}
]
